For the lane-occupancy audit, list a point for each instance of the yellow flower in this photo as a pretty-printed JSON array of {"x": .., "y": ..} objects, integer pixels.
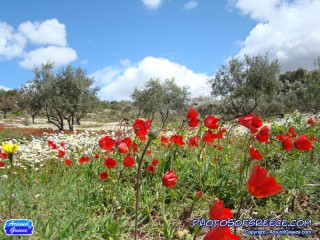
[{"x": 10, "y": 148}]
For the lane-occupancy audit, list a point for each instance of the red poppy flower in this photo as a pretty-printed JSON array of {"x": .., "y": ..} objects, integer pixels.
[
  {"x": 84, "y": 159},
  {"x": 261, "y": 185},
  {"x": 128, "y": 161},
  {"x": 61, "y": 153},
  {"x": 164, "y": 140},
  {"x": 50, "y": 142},
  {"x": 310, "y": 121},
  {"x": 220, "y": 233},
  {"x": 149, "y": 152},
  {"x": 2, "y": 164},
  {"x": 287, "y": 143},
  {"x": 110, "y": 163},
  {"x": 127, "y": 140},
  {"x": 291, "y": 132},
  {"x": 135, "y": 147},
  {"x": 303, "y": 143},
  {"x": 216, "y": 159},
  {"x": 220, "y": 133},
  {"x": 193, "y": 141},
  {"x": 199, "y": 194},
  {"x": 123, "y": 148},
  {"x": 106, "y": 143},
  {"x": 220, "y": 148},
  {"x": 103, "y": 175},
  {"x": 208, "y": 137},
  {"x": 3, "y": 155},
  {"x": 218, "y": 212},
  {"x": 263, "y": 134},
  {"x": 169, "y": 179},
  {"x": 151, "y": 168},
  {"x": 117, "y": 141},
  {"x": 68, "y": 162},
  {"x": 155, "y": 162},
  {"x": 192, "y": 114},
  {"x": 141, "y": 128},
  {"x": 193, "y": 122},
  {"x": 177, "y": 139},
  {"x": 280, "y": 137},
  {"x": 312, "y": 138},
  {"x": 211, "y": 122},
  {"x": 53, "y": 145},
  {"x": 256, "y": 122},
  {"x": 97, "y": 155},
  {"x": 255, "y": 154},
  {"x": 251, "y": 122}
]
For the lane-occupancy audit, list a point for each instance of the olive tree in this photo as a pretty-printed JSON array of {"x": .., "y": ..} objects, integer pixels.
[
  {"x": 31, "y": 99},
  {"x": 157, "y": 97},
  {"x": 242, "y": 83},
  {"x": 8, "y": 101},
  {"x": 65, "y": 95}
]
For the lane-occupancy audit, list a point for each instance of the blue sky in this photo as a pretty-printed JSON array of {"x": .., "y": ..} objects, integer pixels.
[{"x": 124, "y": 43}]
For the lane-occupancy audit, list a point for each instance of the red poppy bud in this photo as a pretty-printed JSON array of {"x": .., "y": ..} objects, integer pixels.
[
  {"x": 103, "y": 175},
  {"x": 151, "y": 168},
  {"x": 68, "y": 162},
  {"x": 310, "y": 122},
  {"x": 128, "y": 161},
  {"x": 169, "y": 179}
]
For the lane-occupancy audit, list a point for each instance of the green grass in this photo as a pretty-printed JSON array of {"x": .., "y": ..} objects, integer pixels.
[{"x": 71, "y": 202}]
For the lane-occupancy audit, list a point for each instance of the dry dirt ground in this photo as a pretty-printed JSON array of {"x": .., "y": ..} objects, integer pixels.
[{"x": 42, "y": 123}]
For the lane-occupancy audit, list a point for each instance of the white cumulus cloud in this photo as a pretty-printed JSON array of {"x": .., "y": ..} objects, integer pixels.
[
  {"x": 36, "y": 43},
  {"x": 118, "y": 82},
  {"x": 152, "y": 4},
  {"x": 289, "y": 29},
  {"x": 12, "y": 42},
  {"x": 190, "y": 5},
  {"x": 48, "y": 32},
  {"x": 59, "y": 55}
]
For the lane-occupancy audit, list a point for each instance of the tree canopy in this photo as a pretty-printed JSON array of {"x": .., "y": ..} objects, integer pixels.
[
  {"x": 242, "y": 83},
  {"x": 157, "y": 97},
  {"x": 64, "y": 95}
]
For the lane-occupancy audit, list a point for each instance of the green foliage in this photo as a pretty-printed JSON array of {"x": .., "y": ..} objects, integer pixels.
[
  {"x": 313, "y": 91},
  {"x": 157, "y": 97},
  {"x": 8, "y": 101},
  {"x": 244, "y": 82},
  {"x": 65, "y": 95},
  {"x": 71, "y": 202}
]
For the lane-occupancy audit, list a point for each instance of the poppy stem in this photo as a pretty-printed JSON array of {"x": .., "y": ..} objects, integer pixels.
[
  {"x": 244, "y": 162},
  {"x": 242, "y": 201},
  {"x": 11, "y": 185},
  {"x": 138, "y": 188}
]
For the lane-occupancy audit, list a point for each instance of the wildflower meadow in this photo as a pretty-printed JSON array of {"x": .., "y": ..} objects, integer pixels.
[{"x": 199, "y": 178}]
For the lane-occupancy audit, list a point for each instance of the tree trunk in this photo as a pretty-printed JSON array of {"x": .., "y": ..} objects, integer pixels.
[
  {"x": 69, "y": 120},
  {"x": 164, "y": 118},
  {"x": 78, "y": 121}
]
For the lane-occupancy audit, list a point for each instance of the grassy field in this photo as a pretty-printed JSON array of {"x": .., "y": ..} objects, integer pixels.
[{"x": 87, "y": 197}]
